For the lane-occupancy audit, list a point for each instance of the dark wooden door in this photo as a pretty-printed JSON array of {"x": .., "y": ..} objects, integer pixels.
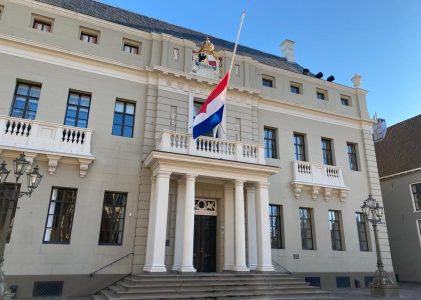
[{"x": 204, "y": 255}]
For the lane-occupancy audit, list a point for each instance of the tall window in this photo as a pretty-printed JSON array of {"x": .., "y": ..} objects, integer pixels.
[
  {"x": 270, "y": 142},
  {"x": 416, "y": 195},
  {"x": 352, "y": 155},
  {"x": 327, "y": 152},
  {"x": 362, "y": 231},
  {"x": 419, "y": 226},
  {"x": 60, "y": 216},
  {"x": 306, "y": 229},
  {"x": 6, "y": 193},
  {"x": 275, "y": 226},
  {"x": 299, "y": 147},
  {"x": 123, "y": 119},
  {"x": 112, "y": 222},
  {"x": 335, "y": 229},
  {"x": 25, "y": 101},
  {"x": 77, "y": 112}
]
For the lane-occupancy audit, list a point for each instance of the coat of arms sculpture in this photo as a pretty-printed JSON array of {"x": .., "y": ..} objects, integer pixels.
[{"x": 206, "y": 62}]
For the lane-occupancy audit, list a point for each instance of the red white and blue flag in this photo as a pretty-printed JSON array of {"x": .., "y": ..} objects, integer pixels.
[{"x": 212, "y": 111}]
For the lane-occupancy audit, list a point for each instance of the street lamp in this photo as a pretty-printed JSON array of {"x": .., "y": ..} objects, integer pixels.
[
  {"x": 20, "y": 166},
  {"x": 382, "y": 284}
]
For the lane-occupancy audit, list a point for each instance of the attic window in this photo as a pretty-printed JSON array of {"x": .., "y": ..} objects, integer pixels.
[
  {"x": 321, "y": 94},
  {"x": 345, "y": 100},
  {"x": 131, "y": 47},
  {"x": 296, "y": 88},
  {"x": 89, "y": 35},
  {"x": 268, "y": 81},
  {"x": 42, "y": 23}
]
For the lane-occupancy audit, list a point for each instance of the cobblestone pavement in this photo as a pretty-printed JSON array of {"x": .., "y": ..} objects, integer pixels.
[{"x": 408, "y": 291}]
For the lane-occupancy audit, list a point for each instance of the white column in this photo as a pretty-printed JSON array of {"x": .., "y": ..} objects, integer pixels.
[
  {"x": 155, "y": 248},
  {"x": 229, "y": 246},
  {"x": 187, "y": 259},
  {"x": 251, "y": 227},
  {"x": 240, "y": 228},
  {"x": 179, "y": 223},
  {"x": 264, "y": 251}
]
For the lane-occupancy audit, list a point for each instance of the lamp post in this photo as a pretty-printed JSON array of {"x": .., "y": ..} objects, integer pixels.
[
  {"x": 20, "y": 166},
  {"x": 382, "y": 285}
]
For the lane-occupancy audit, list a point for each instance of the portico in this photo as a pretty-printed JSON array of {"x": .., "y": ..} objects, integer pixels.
[{"x": 240, "y": 182}]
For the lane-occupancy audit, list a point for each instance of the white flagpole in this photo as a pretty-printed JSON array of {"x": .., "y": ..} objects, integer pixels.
[{"x": 232, "y": 60}]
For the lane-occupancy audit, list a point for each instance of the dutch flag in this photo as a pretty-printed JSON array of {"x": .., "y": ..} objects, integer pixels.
[{"x": 212, "y": 111}]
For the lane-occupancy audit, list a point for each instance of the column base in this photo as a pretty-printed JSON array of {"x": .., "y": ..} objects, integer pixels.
[
  {"x": 241, "y": 269},
  {"x": 175, "y": 268},
  {"x": 228, "y": 268},
  {"x": 253, "y": 267},
  {"x": 268, "y": 268},
  {"x": 187, "y": 269},
  {"x": 154, "y": 269}
]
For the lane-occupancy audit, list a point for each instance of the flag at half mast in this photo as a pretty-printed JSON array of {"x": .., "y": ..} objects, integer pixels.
[{"x": 211, "y": 113}]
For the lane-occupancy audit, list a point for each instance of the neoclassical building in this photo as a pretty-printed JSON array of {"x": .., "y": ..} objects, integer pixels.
[{"x": 103, "y": 101}]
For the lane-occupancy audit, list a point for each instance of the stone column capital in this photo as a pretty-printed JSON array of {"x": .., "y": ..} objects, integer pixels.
[{"x": 191, "y": 176}]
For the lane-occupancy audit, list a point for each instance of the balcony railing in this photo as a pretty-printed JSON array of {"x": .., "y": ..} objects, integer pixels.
[
  {"x": 318, "y": 177},
  {"x": 183, "y": 143},
  {"x": 53, "y": 140}
]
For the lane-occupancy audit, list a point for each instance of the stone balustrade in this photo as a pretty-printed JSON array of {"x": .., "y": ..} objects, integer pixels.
[
  {"x": 318, "y": 177},
  {"x": 183, "y": 143},
  {"x": 53, "y": 140}
]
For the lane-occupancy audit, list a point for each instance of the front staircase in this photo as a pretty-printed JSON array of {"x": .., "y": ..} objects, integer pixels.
[{"x": 211, "y": 286}]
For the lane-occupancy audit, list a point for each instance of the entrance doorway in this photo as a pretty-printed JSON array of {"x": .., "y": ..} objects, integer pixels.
[{"x": 204, "y": 249}]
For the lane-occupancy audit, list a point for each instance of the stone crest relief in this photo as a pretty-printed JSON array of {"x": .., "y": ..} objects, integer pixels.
[{"x": 206, "y": 62}]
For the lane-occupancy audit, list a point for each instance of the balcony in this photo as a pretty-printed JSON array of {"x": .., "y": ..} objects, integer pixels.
[
  {"x": 317, "y": 177},
  {"x": 53, "y": 140},
  {"x": 183, "y": 143}
]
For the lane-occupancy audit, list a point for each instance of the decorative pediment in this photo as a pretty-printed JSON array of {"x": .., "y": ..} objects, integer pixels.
[{"x": 206, "y": 61}]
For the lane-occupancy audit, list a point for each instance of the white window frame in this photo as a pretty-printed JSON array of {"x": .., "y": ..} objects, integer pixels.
[{"x": 412, "y": 196}]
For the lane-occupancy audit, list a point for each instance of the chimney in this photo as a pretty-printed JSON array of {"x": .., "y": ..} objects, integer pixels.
[{"x": 287, "y": 49}]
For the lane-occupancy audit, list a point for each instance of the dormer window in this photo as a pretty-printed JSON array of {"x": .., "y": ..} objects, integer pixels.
[
  {"x": 89, "y": 35},
  {"x": 41, "y": 23}
]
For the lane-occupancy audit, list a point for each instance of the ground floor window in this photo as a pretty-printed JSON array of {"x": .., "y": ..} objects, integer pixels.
[
  {"x": 306, "y": 228},
  {"x": 58, "y": 228},
  {"x": 275, "y": 226},
  {"x": 112, "y": 222},
  {"x": 6, "y": 194}
]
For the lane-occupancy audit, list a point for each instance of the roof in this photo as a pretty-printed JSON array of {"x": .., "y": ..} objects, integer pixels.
[
  {"x": 400, "y": 150},
  {"x": 126, "y": 18}
]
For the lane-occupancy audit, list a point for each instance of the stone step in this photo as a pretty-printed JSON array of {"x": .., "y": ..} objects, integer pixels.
[
  {"x": 187, "y": 284},
  {"x": 187, "y": 290},
  {"x": 210, "y": 275},
  {"x": 250, "y": 294},
  {"x": 216, "y": 279}
]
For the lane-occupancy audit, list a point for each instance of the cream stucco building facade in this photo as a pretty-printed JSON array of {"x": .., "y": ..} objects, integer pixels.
[{"x": 103, "y": 101}]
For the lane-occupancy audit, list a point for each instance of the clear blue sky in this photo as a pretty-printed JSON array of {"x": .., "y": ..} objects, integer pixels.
[{"x": 378, "y": 39}]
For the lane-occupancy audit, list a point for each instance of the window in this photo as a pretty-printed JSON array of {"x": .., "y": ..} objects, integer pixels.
[
  {"x": 275, "y": 226},
  {"x": 270, "y": 142},
  {"x": 6, "y": 193},
  {"x": 335, "y": 229},
  {"x": 25, "y": 102},
  {"x": 327, "y": 152},
  {"x": 42, "y": 23},
  {"x": 362, "y": 231},
  {"x": 419, "y": 226},
  {"x": 321, "y": 94},
  {"x": 306, "y": 229},
  {"x": 1, "y": 10},
  {"x": 112, "y": 221},
  {"x": 268, "y": 81},
  {"x": 77, "y": 112},
  {"x": 197, "y": 104},
  {"x": 416, "y": 195},
  {"x": 123, "y": 119},
  {"x": 89, "y": 35},
  {"x": 131, "y": 47},
  {"x": 236, "y": 70},
  {"x": 352, "y": 155},
  {"x": 345, "y": 100},
  {"x": 299, "y": 147},
  {"x": 296, "y": 88},
  {"x": 58, "y": 228}
]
